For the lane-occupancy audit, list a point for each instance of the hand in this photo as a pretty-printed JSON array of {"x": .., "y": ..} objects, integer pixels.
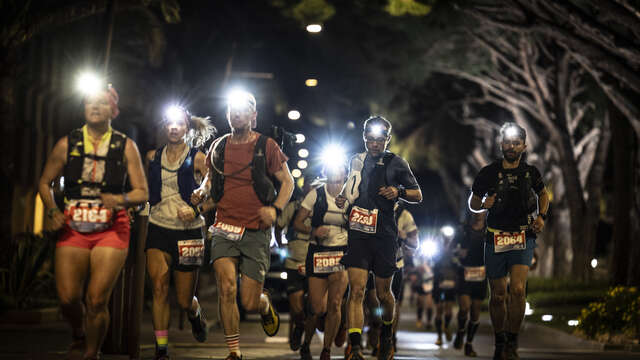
[
  {"x": 489, "y": 201},
  {"x": 538, "y": 224},
  {"x": 321, "y": 232},
  {"x": 198, "y": 196},
  {"x": 340, "y": 201},
  {"x": 463, "y": 253},
  {"x": 110, "y": 201},
  {"x": 267, "y": 215},
  {"x": 388, "y": 192},
  {"x": 56, "y": 221},
  {"x": 186, "y": 213}
]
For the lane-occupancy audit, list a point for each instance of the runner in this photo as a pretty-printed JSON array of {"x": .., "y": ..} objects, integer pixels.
[
  {"x": 423, "y": 287},
  {"x": 243, "y": 167},
  {"x": 510, "y": 190},
  {"x": 175, "y": 240},
  {"x": 472, "y": 281},
  {"x": 297, "y": 245},
  {"x": 92, "y": 247},
  {"x": 445, "y": 272},
  {"x": 327, "y": 277},
  {"x": 407, "y": 239},
  {"x": 377, "y": 180}
]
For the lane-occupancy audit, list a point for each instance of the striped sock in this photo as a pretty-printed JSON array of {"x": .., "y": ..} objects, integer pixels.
[
  {"x": 233, "y": 342},
  {"x": 162, "y": 340}
]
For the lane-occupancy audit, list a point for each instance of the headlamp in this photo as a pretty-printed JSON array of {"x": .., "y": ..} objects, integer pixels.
[
  {"x": 377, "y": 131},
  {"x": 511, "y": 132},
  {"x": 89, "y": 84},
  {"x": 175, "y": 114},
  {"x": 333, "y": 157},
  {"x": 240, "y": 100}
]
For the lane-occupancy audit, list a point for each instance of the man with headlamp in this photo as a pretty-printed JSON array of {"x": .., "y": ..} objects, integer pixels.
[
  {"x": 510, "y": 190},
  {"x": 244, "y": 167},
  {"x": 92, "y": 247},
  {"x": 377, "y": 180}
]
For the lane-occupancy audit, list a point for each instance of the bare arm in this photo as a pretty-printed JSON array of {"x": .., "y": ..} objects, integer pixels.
[
  {"x": 543, "y": 201},
  {"x": 286, "y": 186},
  {"x": 52, "y": 169},
  {"x": 298, "y": 223},
  {"x": 139, "y": 191},
  {"x": 413, "y": 196}
]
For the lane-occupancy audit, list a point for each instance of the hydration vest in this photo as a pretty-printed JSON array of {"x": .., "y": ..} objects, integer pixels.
[
  {"x": 526, "y": 195},
  {"x": 262, "y": 183},
  {"x": 354, "y": 180},
  {"x": 320, "y": 207},
  {"x": 186, "y": 180},
  {"x": 115, "y": 174}
]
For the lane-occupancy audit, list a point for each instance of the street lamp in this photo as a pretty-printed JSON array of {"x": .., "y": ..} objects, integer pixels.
[
  {"x": 311, "y": 82},
  {"x": 300, "y": 138},
  {"x": 296, "y": 173},
  {"x": 294, "y": 114},
  {"x": 448, "y": 230},
  {"x": 314, "y": 28},
  {"x": 303, "y": 153},
  {"x": 302, "y": 164}
]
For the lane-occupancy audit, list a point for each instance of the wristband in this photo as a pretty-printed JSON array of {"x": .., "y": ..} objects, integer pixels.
[
  {"x": 402, "y": 192},
  {"x": 51, "y": 211},
  {"x": 196, "y": 210}
]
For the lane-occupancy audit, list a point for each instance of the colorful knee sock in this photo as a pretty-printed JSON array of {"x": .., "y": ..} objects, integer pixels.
[
  {"x": 233, "y": 343},
  {"x": 162, "y": 340},
  {"x": 355, "y": 337}
]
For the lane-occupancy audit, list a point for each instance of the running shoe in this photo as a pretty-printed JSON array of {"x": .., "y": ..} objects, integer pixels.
[
  {"x": 199, "y": 327},
  {"x": 468, "y": 350},
  {"x": 354, "y": 354},
  {"x": 341, "y": 336},
  {"x": 511, "y": 352},
  {"x": 78, "y": 346},
  {"x": 439, "y": 340},
  {"x": 295, "y": 337},
  {"x": 386, "y": 349},
  {"x": 305, "y": 352},
  {"x": 161, "y": 354},
  {"x": 271, "y": 321},
  {"x": 448, "y": 335},
  {"x": 233, "y": 356},
  {"x": 457, "y": 342},
  {"x": 499, "y": 353},
  {"x": 325, "y": 354}
]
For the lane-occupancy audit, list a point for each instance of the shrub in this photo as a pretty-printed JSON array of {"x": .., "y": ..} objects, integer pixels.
[{"x": 617, "y": 314}]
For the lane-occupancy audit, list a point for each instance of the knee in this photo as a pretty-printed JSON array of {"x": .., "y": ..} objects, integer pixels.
[
  {"x": 517, "y": 291},
  {"x": 356, "y": 294},
  {"x": 334, "y": 305},
  {"x": 498, "y": 297},
  {"x": 386, "y": 296},
  {"x": 96, "y": 302},
  {"x": 227, "y": 288}
]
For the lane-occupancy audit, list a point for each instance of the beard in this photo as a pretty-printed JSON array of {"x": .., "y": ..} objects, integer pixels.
[{"x": 510, "y": 155}]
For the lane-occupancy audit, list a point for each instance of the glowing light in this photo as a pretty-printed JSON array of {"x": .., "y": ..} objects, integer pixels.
[
  {"x": 573, "y": 322},
  {"x": 528, "y": 311},
  {"x": 448, "y": 231},
  {"x": 303, "y": 153},
  {"x": 594, "y": 263},
  {"x": 314, "y": 28},
  {"x": 351, "y": 125},
  {"x": 294, "y": 114},
  {"x": 302, "y": 164},
  {"x": 174, "y": 113},
  {"x": 333, "y": 156},
  {"x": 241, "y": 100},
  {"x": 300, "y": 138},
  {"x": 378, "y": 311},
  {"x": 311, "y": 82},
  {"x": 429, "y": 248},
  {"x": 283, "y": 275},
  {"x": 547, "y": 317},
  {"x": 296, "y": 173},
  {"x": 511, "y": 132},
  {"x": 89, "y": 84}
]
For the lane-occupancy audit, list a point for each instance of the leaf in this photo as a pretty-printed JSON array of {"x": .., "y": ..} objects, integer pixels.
[
  {"x": 313, "y": 12},
  {"x": 407, "y": 7}
]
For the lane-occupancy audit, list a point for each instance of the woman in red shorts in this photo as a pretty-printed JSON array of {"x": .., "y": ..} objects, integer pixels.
[{"x": 95, "y": 161}]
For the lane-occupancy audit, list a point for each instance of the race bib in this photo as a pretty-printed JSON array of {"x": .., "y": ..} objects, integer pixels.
[
  {"x": 190, "y": 252},
  {"x": 400, "y": 263},
  {"x": 363, "y": 220},
  {"x": 447, "y": 284},
  {"x": 229, "y": 232},
  {"x": 88, "y": 216},
  {"x": 427, "y": 286},
  {"x": 506, "y": 241},
  {"x": 474, "y": 273},
  {"x": 302, "y": 270},
  {"x": 327, "y": 262}
]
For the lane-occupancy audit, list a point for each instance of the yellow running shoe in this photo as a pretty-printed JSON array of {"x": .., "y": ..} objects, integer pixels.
[{"x": 270, "y": 321}]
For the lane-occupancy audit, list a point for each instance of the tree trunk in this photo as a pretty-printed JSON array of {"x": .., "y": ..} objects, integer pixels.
[{"x": 623, "y": 165}]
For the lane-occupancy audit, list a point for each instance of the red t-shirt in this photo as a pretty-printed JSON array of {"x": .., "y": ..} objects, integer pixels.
[{"x": 240, "y": 204}]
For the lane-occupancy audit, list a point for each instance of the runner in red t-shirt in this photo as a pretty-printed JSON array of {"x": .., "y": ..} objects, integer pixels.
[{"x": 242, "y": 231}]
